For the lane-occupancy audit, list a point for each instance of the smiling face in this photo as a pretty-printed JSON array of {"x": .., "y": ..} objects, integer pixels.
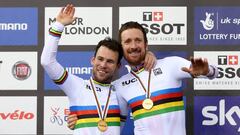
[
  {"x": 134, "y": 46},
  {"x": 105, "y": 63}
]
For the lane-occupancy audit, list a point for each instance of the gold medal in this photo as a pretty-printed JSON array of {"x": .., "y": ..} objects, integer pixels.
[
  {"x": 147, "y": 104},
  {"x": 102, "y": 125}
]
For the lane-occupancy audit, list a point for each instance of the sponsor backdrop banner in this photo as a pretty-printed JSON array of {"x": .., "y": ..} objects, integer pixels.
[
  {"x": 92, "y": 25},
  {"x": 18, "y": 115},
  {"x": 217, "y": 115},
  {"x": 55, "y": 115},
  {"x": 217, "y": 25},
  {"x": 208, "y": 29},
  {"x": 18, "y": 70},
  {"x": 228, "y": 66},
  {"x": 18, "y": 26},
  {"x": 162, "y": 25}
]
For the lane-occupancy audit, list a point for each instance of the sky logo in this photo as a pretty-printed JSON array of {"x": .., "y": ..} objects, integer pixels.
[
  {"x": 217, "y": 115},
  {"x": 18, "y": 26}
]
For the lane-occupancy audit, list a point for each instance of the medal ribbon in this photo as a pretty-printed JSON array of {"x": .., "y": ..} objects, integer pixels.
[
  {"x": 149, "y": 79},
  {"x": 98, "y": 104}
]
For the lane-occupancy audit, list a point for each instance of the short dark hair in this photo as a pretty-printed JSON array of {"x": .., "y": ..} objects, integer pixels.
[
  {"x": 111, "y": 44},
  {"x": 131, "y": 25}
]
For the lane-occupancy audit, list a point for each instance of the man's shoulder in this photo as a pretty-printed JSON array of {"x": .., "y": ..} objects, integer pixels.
[
  {"x": 119, "y": 81},
  {"x": 169, "y": 59}
]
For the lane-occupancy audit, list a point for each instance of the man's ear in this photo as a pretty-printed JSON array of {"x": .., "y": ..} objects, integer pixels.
[{"x": 92, "y": 60}]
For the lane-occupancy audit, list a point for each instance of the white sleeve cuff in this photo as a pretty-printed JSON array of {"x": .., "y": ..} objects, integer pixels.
[{"x": 58, "y": 26}]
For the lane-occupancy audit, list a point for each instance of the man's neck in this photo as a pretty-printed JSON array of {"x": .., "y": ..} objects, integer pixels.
[{"x": 137, "y": 68}]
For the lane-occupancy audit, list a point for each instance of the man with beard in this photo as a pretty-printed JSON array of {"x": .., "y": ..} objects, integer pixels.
[
  {"x": 94, "y": 101},
  {"x": 155, "y": 97}
]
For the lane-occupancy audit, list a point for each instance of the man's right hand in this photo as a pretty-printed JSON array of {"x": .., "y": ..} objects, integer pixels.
[
  {"x": 72, "y": 120},
  {"x": 66, "y": 14}
]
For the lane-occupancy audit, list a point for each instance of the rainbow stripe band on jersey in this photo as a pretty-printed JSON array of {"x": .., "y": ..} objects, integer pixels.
[
  {"x": 55, "y": 33},
  {"x": 168, "y": 100},
  {"x": 88, "y": 116},
  {"x": 62, "y": 79}
]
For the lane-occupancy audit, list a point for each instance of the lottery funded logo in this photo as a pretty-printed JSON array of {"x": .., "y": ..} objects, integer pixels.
[{"x": 217, "y": 25}]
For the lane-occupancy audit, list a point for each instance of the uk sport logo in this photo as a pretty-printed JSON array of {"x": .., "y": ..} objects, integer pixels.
[{"x": 208, "y": 23}]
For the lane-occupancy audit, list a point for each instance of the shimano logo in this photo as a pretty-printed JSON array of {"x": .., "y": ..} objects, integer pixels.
[
  {"x": 13, "y": 26},
  {"x": 79, "y": 70},
  {"x": 223, "y": 116}
]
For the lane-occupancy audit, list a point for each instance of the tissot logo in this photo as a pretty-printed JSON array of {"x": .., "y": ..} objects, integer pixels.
[
  {"x": 226, "y": 69},
  {"x": 156, "y": 28},
  {"x": 152, "y": 16},
  {"x": 159, "y": 22},
  {"x": 227, "y": 63},
  {"x": 228, "y": 60},
  {"x": 217, "y": 115}
]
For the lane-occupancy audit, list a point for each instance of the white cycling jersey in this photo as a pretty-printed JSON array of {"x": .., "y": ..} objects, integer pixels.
[
  {"x": 80, "y": 94},
  {"x": 167, "y": 117}
]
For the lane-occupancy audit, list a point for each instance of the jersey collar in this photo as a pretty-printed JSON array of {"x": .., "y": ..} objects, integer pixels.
[
  {"x": 138, "y": 69},
  {"x": 102, "y": 84}
]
